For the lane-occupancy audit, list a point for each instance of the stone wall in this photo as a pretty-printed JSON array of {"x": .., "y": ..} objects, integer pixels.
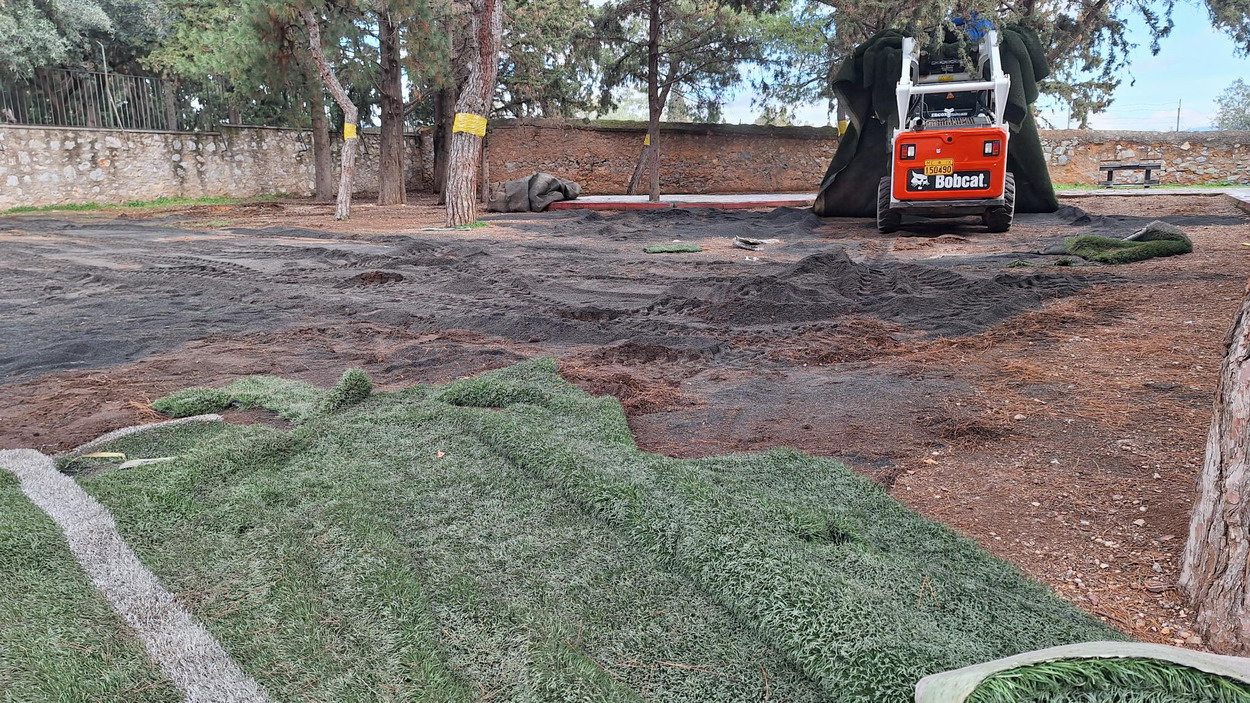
[
  {"x": 50, "y": 166},
  {"x": 749, "y": 158},
  {"x": 56, "y": 166},
  {"x": 694, "y": 158},
  {"x": 1188, "y": 158}
]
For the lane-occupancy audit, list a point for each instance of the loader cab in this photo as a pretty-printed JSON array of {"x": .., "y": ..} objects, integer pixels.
[{"x": 949, "y": 151}]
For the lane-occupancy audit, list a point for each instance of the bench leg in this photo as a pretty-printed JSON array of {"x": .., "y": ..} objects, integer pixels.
[
  {"x": 1110, "y": 176},
  {"x": 1147, "y": 178}
]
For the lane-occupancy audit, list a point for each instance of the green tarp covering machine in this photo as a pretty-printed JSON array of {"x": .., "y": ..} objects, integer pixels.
[{"x": 865, "y": 86}]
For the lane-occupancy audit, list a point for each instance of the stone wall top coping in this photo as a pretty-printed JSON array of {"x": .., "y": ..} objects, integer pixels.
[
  {"x": 638, "y": 127},
  {"x": 1111, "y": 135},
  {"x": 204, "y": 133}
]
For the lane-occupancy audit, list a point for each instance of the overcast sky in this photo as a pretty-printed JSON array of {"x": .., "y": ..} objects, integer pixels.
[{"x": 1195, "y": 64}]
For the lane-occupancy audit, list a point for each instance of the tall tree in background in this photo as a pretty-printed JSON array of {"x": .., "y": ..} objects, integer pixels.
[
  {"x": 347, "y": 158},
  {"x": 1088, "y": 41},
  {"x": 1233, "y": 17},
  {"x": 473, "y": 104},
  {"x": 260, "y": 50},
  {"x": 410, "y": 42},
  {"x": 1215, "y": 571},
  {"x": 41, "y": 34},
  {"x": 547, "y": 63},
  {"x": 694, "y": 47},
  {"x": 392, "y": 188},
  {"x": 1233, "y": 106}
]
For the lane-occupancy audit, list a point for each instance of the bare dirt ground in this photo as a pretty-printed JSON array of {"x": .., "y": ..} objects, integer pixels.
[{"x": 1055, "y": 414}]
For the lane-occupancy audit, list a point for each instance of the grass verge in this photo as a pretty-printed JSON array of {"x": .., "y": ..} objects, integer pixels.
[
  {"x": 155, "y": 204},
  {"x": 503, "y": 537},
  {"x": 59, "y": 639}
]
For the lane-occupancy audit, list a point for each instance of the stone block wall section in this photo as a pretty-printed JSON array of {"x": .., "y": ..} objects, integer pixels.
[
  {"x": 1188, "y": 158},
  {"x": 56, "y": 166},
  {"x": 694, "y": 158}
]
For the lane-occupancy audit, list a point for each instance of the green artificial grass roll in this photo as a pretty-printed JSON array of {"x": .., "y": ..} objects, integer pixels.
[
  {"x": 673, "y": 249},
  {"x": 1129, "y": 680},
  {"x": 1156, "y": 239},
  {"x": 505, "y": 534}
]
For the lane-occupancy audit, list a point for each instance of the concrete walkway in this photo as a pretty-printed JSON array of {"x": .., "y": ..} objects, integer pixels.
[
  {"x": 738, "y": 201},
  {"x": 731, "y": 201}
]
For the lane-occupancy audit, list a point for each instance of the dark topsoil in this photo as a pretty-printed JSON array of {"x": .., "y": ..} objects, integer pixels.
[
  {"x": 85, "y": 295},
  {"x": 911, "y": 357}
]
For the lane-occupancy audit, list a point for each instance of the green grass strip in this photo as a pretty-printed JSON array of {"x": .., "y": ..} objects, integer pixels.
[
  {"x": 295, "y": 401},
  {"x": 503, "y": 535},
  {"x": 346, "y": 559},
  {"x": 1108, "y": 250},
  {"x": 140, "y": 204},
  {"x": 673, "y": 249},
  {"x": 865, "y": 596},
  {"x": 1109, "y": 681},
  {"x": 59, "y": 639}
]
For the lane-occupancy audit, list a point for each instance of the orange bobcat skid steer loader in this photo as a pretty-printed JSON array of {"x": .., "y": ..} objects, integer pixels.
[{"x": 949, "y": 153}]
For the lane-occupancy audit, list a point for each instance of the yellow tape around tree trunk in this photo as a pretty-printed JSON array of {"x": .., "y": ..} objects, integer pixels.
[
  {"x": 469, "y": 123},
  {"x": 349, "y": 131}
]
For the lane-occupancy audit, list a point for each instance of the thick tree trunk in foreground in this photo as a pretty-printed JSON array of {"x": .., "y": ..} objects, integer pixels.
[
  {"x": 323, "y": 167},
  {"x": 347, "y": 161},
  {"x": 1215, "y": 572},
  {"x": 392, "y": 189},
  {"x": 474, "y": 102}
]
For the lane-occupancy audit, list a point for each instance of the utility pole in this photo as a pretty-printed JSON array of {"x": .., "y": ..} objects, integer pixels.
[{"x": 1178, "y": 114}]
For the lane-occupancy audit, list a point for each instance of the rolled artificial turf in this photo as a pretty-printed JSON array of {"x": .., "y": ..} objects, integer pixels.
[
  {"x": 1128, "y": 680},
  {"x": 504, "y": 535},
  {"x": 673, "y": 249},
  {"x": 1165, "y": 240}
]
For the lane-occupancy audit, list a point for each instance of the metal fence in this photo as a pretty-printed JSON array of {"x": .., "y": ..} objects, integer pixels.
[{"x": 112, "y": 100}]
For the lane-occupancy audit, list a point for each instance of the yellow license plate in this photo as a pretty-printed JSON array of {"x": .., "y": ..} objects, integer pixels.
[{"x": 939, "y": 167}]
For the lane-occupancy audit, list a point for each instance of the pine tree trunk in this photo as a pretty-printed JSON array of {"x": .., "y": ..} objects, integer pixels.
[
  {"x": 392, "y": 190},
  {"x": 323, "y": 167},
  {"x": 444, "y": 107},
  {"x": 463, "y": 164},
  {"x": 347, "y": 160},
  {"x": 654, "y": 105},
  {"x": 170, "y": 98},
  {"x": 642, "y": 168},
  {"x": 1215, "y": 571}
]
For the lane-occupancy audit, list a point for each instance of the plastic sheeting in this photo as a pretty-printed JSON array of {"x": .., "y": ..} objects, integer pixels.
[{"x": 532, "y": 194}]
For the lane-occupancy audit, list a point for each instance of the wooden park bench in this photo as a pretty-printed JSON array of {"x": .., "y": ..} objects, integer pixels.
[{"x": 1112, "y": 166}]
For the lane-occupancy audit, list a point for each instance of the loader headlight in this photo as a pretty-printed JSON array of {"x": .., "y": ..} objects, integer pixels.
[
  {"x": 993, "y": 147},
  {"x": 906, "y": 152}
]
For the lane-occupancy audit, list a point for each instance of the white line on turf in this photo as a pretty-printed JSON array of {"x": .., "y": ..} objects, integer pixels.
[{"x": 183, "y": 649}]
